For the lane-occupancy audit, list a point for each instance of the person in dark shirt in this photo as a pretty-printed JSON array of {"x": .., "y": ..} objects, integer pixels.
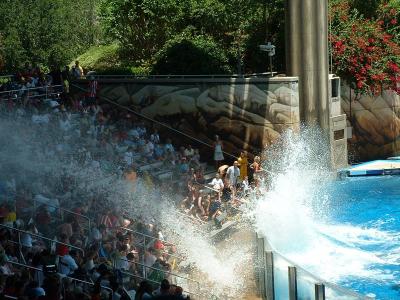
[
  {"x": 56, "y": 76},
  {"x": 215, "y": 209}
]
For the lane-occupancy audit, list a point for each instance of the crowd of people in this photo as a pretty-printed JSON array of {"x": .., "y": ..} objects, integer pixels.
[
  {"x": 32, "y": 81},
  {"x": 56, "y": 243}
]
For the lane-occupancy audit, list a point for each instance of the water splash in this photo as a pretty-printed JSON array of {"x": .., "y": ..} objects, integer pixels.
[
  {"x": 224, "y": 269},
  {"x": 294, "y": 213}
]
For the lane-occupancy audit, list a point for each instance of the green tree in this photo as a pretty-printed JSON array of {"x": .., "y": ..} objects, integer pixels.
[
  {"x": 191, "y": 54},
  {"x": 141, "y": 26},
  {"x": 45, "y": 32}
]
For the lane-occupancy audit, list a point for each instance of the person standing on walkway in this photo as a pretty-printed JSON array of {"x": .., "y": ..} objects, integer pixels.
[
  {"x": 232, "y": 175},
  {"x": 256, "y": 167},
  {"x": 243, "y": 162},
  {"x": 218, "y": 152}
]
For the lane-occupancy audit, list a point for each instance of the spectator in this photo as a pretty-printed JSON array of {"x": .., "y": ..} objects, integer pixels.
[
  {"x": 155, "y": 138},
  {"x": 164, "y": 289},
  {"x": 65, "y": 229},
  {"x": 56, "y": 76},
  {"x": 93, "y": 88},
  {"x": 43, "y": 220},
  {"x": 195, "y": 159},
  {"x": 243, "y": 163},
  {"x": 189, "y": 152},
  {"x": 77, "y": 71},
  {"x": 183, "y": 166},
  {"x": 62, "y": 249},
  {"x": 256, "y": 167},
  {"x": 218, "y": 152},
  {"x": 144, "y": 291},
  {"x": 217, "y": 183},
  {"x": 169, "y": 147},
  {"x": 67, "y": 263},
  {"x": 232, "y": 175},
  {"x": 66, "y": 78}
]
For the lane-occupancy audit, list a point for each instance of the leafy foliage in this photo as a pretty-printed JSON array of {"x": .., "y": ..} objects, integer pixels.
[
  {"x": 45, "y": 32},
  {"x": 146, "y": 27},
  {"x": 366, "y": 52},
  {"x": 191, "y": 54}
]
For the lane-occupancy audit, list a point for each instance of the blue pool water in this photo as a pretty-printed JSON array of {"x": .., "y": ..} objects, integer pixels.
[{"x": 364, "y": 219}]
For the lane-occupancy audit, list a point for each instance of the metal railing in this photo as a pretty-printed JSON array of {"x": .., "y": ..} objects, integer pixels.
[
  {"x": 201, "y": 295},
  {"x": 70, "y": 278},
  {"x": 216, "y": 76},
  {"x": 270, "y": 289},
  {"x": 146, "y": 275},
  {"x": 41, "y": 237},
  {"x": 152, "y": 238},
  {"x": 29, "y": 93},
  {"x": 46, "y": 88},
  {"x": 60, "y": 209}
]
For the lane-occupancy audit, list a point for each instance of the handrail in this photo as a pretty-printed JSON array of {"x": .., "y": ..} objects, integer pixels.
[
  {"x": 157, "y": 269},
  {"x": 10, "y": 297},
  {"x": 146, "y": 235},
  {"x": 63, "y": 209},
  {"x": 153, "y": 238},
  {"x": 181, "y": 258},
  {"x": 256, "y": 75},
  {"x": 33, "y": 96},
  {"x": 43, "y": 237},
  {"x": 152, "y": 281},
  {"x": 72, "y": 278},
  {"x": 31, "y": 89}
]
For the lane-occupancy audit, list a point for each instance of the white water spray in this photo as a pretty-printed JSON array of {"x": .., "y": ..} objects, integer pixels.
[{"x": 294, "y": 213}]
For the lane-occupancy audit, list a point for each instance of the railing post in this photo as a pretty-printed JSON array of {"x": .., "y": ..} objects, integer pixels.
[
  {"x": 292, "y": 283},
  {"x": 261, "y": 267},
  {"x": 319, "y": 291},
  {"x": 34, "y": 209},
  {"x": 143, "y": 259},
  {"x": 269, "y": 275}
]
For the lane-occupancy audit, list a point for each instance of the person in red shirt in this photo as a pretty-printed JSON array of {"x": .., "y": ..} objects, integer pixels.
[{"x": 61, "y": 249}]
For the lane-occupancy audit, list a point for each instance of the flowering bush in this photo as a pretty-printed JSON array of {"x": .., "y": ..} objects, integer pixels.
[{"x": 366, "y": 52}]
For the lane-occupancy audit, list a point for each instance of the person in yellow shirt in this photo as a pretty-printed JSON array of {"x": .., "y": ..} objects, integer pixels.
[
  {"x": 11, "y": 215},
  {"x": 243, "y": 162}
]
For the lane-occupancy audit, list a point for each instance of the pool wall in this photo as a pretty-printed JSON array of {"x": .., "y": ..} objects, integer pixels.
[{"x": 278, "y": 278}]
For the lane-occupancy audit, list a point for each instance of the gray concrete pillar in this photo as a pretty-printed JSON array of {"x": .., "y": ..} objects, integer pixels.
[{"x": 307, "y": 57}]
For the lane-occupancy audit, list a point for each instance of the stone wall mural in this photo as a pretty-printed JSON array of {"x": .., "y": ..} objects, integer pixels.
[
  {"x": 376, "y": 124},
  {"x": 246, "y": 114}
]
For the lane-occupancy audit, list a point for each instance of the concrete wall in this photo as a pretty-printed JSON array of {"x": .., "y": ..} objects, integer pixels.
[
  {"x": 375, "y": 122},
  {"x": 246, "y": 113}
]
